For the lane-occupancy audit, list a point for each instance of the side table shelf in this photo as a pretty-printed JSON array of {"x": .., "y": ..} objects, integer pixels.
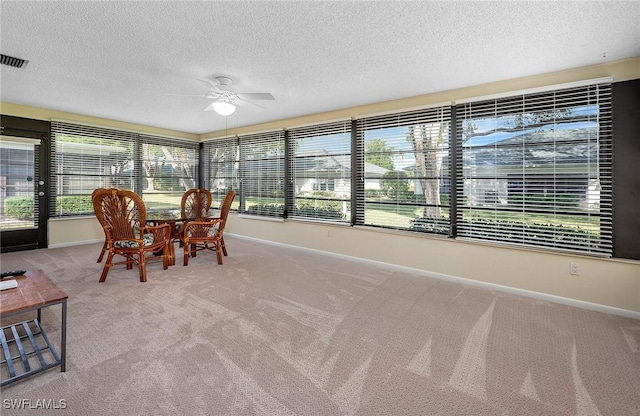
[{"x": 26, "y": 350}]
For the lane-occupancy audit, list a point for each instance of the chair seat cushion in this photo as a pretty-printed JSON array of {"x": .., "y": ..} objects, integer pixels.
[
  {"x": 195, "y": 233},
  {"x": 147, "y": 240}
]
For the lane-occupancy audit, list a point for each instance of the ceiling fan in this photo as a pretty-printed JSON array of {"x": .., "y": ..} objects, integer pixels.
[{"x": 225, "y": 99}]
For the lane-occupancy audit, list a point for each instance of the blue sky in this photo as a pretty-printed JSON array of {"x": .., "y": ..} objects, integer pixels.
[
  {"x": 499, "y": 136},
  {"x": 483, "y": 125},
  {"x": 396, "y": 135}
]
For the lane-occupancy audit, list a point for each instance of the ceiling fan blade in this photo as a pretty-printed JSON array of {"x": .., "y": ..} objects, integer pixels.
[
  {"x": 192, "y": 95},
  {"x": 210, "y": 107},
  {"x": 249, "y": 105},
  {"x": 210, "y": 84},
  {"x": 255, "y": 96}
]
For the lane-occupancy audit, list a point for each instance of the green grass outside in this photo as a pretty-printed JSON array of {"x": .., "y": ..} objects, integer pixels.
[
  {"x": 591, "y": 224},
  {"x": 386, "y": 215},
  {"x": 171, "y": 202},
  {"x": 401, "y": 216}
]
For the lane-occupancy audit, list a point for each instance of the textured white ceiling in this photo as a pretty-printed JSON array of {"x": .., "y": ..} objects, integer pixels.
[{"x": 122, "y": 60}]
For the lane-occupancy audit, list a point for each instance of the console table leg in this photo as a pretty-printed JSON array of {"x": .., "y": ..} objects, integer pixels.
[{"x": 63, "y": 338}]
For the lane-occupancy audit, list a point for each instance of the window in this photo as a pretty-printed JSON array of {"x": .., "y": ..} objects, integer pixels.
[
  {"x": 221, "y": 168},
  {"x": 84, "y": 158},
  {"x": 321, "y": 172},
  {"x": 405, "y": 182},
  {"x": 262, "y": 161},
  {"x": 19, "y": 157},
  {"x": 170, "y": 167},
  {"x": 535, "y": 169}
]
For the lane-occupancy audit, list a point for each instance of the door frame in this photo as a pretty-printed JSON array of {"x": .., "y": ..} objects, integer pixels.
[{"x": 17, "y": 240}]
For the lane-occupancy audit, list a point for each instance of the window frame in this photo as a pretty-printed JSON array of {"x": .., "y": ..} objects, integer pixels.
[
  {"x": 189, "y": 162},
  {"x": 267, "y": 187},
  {"x": 221, "y": 155},
  {"x": 88, "y": 147},
  {"x": 315, "y": 164},
  {"x": 92, "y": 146},
  {"x": 548, "y": 182},
  {"x": 430, "y": 150}
]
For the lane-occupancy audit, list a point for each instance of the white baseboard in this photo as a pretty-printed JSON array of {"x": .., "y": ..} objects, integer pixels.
[
  {"x": 470, "y": 282},
  {"x": 76, "y": 243}
]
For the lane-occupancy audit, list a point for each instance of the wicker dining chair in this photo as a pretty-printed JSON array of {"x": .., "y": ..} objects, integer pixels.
[
  {"x": 207, "y": 233},
  {"x": 195, "y": 204},
  {"x": 123, "y": 215},
  {"x": 104, "y": 246}
]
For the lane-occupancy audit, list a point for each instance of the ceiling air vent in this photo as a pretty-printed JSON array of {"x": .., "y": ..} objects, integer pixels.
[{"x": 11, "y": 61}]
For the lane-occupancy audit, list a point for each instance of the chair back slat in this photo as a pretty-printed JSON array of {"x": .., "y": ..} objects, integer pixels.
[
  {"x": 195, "y": 203},
  {"x": 123, "y": 211},
  {"x": 105, "y": 246},
  {"x": 225, "y": 208}
]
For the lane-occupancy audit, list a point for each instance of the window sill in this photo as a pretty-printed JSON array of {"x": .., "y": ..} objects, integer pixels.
[
  {"x": 260, "y": 218},
  {"x": 73, "y": 217}
]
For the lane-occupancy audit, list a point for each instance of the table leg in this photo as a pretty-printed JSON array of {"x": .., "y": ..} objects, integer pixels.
[
  {"x": 63, "y": 339},
  {"x": 172, "y": 254}
]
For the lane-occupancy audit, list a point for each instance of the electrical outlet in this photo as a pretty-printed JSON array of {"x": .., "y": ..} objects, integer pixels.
[
  {"x": 574, "y": 269},
  {"x": 329, "y": 233}
]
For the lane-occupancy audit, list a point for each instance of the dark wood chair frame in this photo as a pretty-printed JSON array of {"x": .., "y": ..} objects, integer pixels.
[
  {"x": 195, "y": 204},
  {"x": 105, "y": 248},
  {"x": 207, "y": 233},
  {"x": 122, "y": 214}
]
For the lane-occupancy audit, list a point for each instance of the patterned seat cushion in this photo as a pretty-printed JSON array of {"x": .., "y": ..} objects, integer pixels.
[
  {"x": 211, "y": 232},
  {"x": 147, "y": 240}
]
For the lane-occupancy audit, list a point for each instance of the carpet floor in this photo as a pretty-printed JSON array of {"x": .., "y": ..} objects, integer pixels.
[{"x": 281, "y": 331}]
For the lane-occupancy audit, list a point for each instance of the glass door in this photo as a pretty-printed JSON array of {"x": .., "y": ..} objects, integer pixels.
[{"x": 23, "y": 195}]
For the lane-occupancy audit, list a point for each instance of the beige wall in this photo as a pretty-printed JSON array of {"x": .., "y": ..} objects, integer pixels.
[
  {"x": 70, "y": 231},
  {"x": 18, "y": 110},
  {"x": 606, "y": 284}
]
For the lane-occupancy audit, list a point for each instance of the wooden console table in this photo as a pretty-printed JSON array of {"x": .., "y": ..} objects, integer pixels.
[{"x": 26, "y": 349}]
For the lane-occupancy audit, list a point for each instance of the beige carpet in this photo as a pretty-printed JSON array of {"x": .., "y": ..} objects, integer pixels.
[{"x": 280, "y": 331}]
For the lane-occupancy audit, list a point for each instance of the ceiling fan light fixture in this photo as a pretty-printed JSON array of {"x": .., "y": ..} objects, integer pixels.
[{"x": 224, "y": 108}]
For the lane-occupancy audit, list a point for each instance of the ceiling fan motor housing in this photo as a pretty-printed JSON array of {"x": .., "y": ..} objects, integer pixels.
[{"x": 225, "y": 81}]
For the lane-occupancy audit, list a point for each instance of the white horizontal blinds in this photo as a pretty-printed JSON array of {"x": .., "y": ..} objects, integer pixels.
[
  {"x": 38, "y": 152},
  {"x": 536, "y": 169},
  {"x": 603, "y": 199},
  {"x": 262, "y": 169},
  {"x": 221, "y": 164},
  {"x": 84, "y": 158},
  {"x": 405, "y": 160},
  {"x": 169, "y": 168},
  {"x": 320, "y": 163}
]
